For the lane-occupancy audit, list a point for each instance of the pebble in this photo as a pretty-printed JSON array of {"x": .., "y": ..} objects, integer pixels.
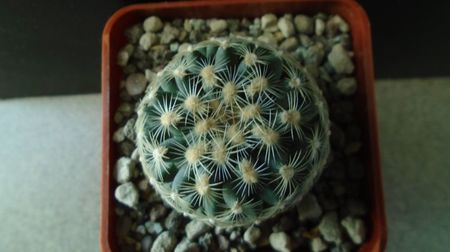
[
  {"x": 122, "y": 58},
  {"x": 185, "y": 47},
  {"x": 286, "y": 27},
  {"x": 169, "y": 34},
  {"x": 134, "y": 33},
  {"x": 165, "y": 242},
  {"x": 234, "y": 235},
  {"x": 152, "y": 24},
  {"x": 127, "y": 194},
  {"x": 147, "y": 40},
  {"x": 157, "y": 212},
  {"x": 186, "y": 246},
  {"x": 346, "y": 86},
  {"x": 304, "y": 24},
  {"x": 224, "y": 243},
  {"x": 153, "y": 227},
  {"x": 268, "y": 38},
  {"x": 126, "y": 148},
  {"x": 280, "y": 241},
  {"x": 308, "y": 208},
  {"x": 355, "y": 228},
  {"x": 340, "y": 60},
  {"x": 205, "y": 241},
  {"x": 141, "y": 229},
  {"x": 126, "y": 109},
  {"x": 345, "y": 247},
  {"x": 173, "y": 221},
  {"x": 314, "y": 54},
  {"x": 146, "y": 243},
  {"x": 268, "y": 21},
  {"x": 318, "y": 245},
  {"x": 135, "y": 84},
  {"x": 196, "y": 228},
  {"x": 356, "y": 207},
  {"x": 118, "y": 135},
  {"x": 218, "y": 25},
  {"x": 330, "y": 229},
  {"x": 128, "y": 129},
  {"x": 123, "y": 226},
  {"x": 289, "y": 44},
  {"x": 251, "y": 235},
  {"x": 336, "y": 23},
  {"x": 305, "y": 40},
  {"x": 320, "y": 26}
]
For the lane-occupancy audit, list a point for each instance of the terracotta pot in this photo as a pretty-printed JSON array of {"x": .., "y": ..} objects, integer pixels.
[{"x": 113, "y": 40}]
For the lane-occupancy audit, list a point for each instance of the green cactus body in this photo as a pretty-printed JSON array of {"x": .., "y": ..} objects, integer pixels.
[{"x": 232, "y": 132}]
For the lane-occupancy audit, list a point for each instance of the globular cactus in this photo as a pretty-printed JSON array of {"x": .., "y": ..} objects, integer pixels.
[{"x": 232, "y": 132}]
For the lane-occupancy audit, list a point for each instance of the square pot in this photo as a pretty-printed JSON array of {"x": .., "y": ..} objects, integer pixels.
[{"x": 113, "y": 39}]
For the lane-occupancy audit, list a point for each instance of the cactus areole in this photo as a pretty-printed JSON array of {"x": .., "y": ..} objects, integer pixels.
[{"x": 232, "y": 132}]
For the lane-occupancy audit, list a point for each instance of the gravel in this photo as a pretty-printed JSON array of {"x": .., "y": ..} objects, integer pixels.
[
  {"x": 330, "y": 229},
  {"x": 251, "y": 235},
  {"x": 286, "y": 27},
  {"x": 304, "y": 24},
  {"x": 322, "y": 44},
  {"x": 196, "y": 228},
  {"x": 340, "y": 60},
  {"x": 165, "y": 242},
  {"x": 127, "y": 194},
  {"x": 152, "y": 24},
  {"x": 355, "y": 228},
  {"x": 280, "y": 241},
  {"x": 308, "y": 208},
  {"x": 136, "y": 84}
]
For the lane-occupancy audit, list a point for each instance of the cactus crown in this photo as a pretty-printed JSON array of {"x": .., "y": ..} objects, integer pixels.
[{"x": 232, "y": 131}]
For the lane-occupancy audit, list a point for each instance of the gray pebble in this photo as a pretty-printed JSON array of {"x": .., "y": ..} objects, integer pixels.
[
  {"x": 126, "y": 109},
  {"x": 148, "y": 40},
  {"x": 308, "y": 208},
  {"x": 268, "y": 38},
  {"x": 127, "y": 194},
  {"x": 124, "y": 170},
  {"x": 234, "y": 235},
  {"x": 128, "y": 129},
  {"x": 304, "y": 24},
  {"x": 268, "y": 21},
  {"x": 118, "y": 135},
  {"x": 196, "y": 228},
  {"x": 173, "y": 220},
  {"x": 153, "y": 227},
  {"x": 205, "y": 241},
  {"x": 122, "y": 58},
  {"x": 251, "y": 235},
  {"x": 126, "y": 148},
  {"x": 355, "y": 228},
  {"x": 218, "y": 25},
  {"x": 318, "y": 245},
  {"x": 289, "y": 44},
  {"x": 146, "y": 243},
  {"x": 169, "y": 34},
  {"x": 157, "y": 212},
  {"x": 286, "y": 27},
  {"x": 174, "y": 47},
  {"x": 135, "y": 84},
  {"x": 319, "y": 26},
  {"x": 305, "y": 40},
  {"x": 186, "y": 246},
  {"x": 345, "y": 247},
  {"x": 330, "y": 229},
  {"x": 224, "y": 243},
  {"x": 185, "y": 47},
  {"x": 141, "y": 229},
  {"x": 336, "y": 23},
  {"x": 340, "y": 60},
  {"x": 134, "y": 33},
  {"x": 152, "y": 24},
  {"x": 314, "y": 54},
  {"x": 280, "y": 241},
  {"x": 165, "y": 242},
  {"x": 347, "y": 86}
]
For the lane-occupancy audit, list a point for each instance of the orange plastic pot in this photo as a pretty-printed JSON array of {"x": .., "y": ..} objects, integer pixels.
[{"x": 113, "y": 39}]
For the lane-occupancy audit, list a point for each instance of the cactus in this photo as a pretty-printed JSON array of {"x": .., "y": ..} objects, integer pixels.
[{"x": 232, "y": 132}]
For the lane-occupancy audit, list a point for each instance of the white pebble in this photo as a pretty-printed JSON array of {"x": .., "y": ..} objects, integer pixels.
[
  {"x": 268, "y": 38},
  {"x": 119, "y": 136},
  {"x": 280, "y": 241},
  {"x": 135, "y": 84},
  {"x": 320, "y": 26},
  {"x": 268, "y": 20},
  {"x": 218, "y": 25},
  {"x": 347, "y": 86},
  {"x": 340, "y": 60},
  {"x": 355, "y": 228},
  {"x": 318, "y": 245},
  {"x": 127, "y": 194},
  {"x": 124, "y": 169},
  {"x": 286, "y": 27},
  {"x": 304, "y": 24},
  {"x": 147, "y": 40},
  {"x": 153, "y": 24}
]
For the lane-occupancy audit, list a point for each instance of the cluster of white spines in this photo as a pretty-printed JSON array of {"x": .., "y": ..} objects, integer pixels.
[{"x": 230, "y": 132}]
